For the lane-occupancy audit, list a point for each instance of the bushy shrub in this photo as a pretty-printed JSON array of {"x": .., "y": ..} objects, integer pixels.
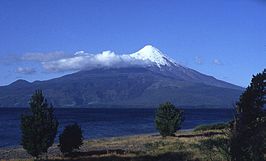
[
  {"x": 218, "y": 126},
  {"x": 40, "y": 127},
  {"x": 70, "y": 139},
  {"x": 168, "y": 119}
]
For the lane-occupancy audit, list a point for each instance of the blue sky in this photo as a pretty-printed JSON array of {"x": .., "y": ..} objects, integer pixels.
[{"x": 222, "y": 38}]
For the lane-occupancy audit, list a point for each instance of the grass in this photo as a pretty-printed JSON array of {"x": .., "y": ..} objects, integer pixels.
[{"x": 186, "y": 145}]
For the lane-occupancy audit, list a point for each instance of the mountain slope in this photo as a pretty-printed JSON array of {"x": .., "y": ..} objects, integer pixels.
[
  {"x": 167, "y": 66},
  {"x": 160, "y": 80}
]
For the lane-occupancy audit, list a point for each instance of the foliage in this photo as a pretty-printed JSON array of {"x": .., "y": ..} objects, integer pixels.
[
  {"x": 247, "y": 137},
  {"x": 168, "y": 119},
  {"x": 218, "y": 126},
  {"x": 39, "y": 128},
  {"x": 215, "y": 148},
  {"x": 70, "y": 139}
]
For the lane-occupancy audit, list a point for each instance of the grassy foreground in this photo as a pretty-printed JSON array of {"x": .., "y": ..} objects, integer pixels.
[{"x": 186, "y": 145}]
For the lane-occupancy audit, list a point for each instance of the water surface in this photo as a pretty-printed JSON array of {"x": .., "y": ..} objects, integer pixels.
[{"x": 106, "y": 122}]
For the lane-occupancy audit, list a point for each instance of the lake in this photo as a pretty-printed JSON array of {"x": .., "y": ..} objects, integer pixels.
[{"x": 106, "y": 122}]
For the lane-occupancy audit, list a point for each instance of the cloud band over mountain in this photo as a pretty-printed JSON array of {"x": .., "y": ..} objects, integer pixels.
[
  {"x": 81, "y": 60},
  {"x": 84, "y": 61}
]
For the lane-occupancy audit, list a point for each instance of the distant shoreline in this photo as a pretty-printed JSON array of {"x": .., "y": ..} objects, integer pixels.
[
  {"x": 181, "y": 107},
  {"x": 103, "y": 138}
]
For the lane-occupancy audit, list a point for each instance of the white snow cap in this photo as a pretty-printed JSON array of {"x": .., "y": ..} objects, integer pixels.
[{"x": 150, "y": 53}]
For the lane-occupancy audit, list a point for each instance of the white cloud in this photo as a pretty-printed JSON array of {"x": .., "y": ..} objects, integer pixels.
[
  {"x": 25, "y": 70},
  {"x": 217, "y": 62},
  {"x": 43, "y": 57},
  {"x": 84, "y": 61},
  {"x": 198, "y": 60}
]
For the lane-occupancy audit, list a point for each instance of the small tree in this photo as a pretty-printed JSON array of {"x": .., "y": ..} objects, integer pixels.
[
  {"x": 39, "y": 128},
  {"x": 168, "y": 119},
  {"x": 247, "y": 134},
  {"x": 70, "y": 139}
]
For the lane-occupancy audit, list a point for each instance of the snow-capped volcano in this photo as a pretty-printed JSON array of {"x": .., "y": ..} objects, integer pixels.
[
  {"x": 81, "y": 60},
  {"x": 154, "y": 55},
  {"x": 145, "y": 78}
]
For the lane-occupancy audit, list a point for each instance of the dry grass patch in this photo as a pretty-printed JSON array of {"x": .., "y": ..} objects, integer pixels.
[{"x": 185, "y": 146}]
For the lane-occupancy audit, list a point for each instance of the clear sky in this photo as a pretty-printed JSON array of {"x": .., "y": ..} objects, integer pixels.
[{"x": 222, "y": 38}]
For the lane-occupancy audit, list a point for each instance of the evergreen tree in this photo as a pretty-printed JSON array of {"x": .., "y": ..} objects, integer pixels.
[
  {"x": 39, "y": 128},
  {"x": 247, "y": 138},
  {"x": 70, "y": 139},
  {"x": 168, "y": 119}
]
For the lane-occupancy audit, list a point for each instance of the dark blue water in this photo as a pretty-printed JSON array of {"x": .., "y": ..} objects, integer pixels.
[{"x": 98, "y": 123}]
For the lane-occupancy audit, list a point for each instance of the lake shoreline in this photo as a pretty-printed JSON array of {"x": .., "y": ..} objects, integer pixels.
[
  {"x": 102, "y": 138},
  {"x": 128, "y": 144}
]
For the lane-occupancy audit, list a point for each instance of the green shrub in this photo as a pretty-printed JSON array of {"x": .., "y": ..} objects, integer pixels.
[
  {"x": 168, "y": 119},
  {"x": 40, "y": 127},
  {"x": 218, "y": 126},
  {"x": 70, "y": 139}
]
